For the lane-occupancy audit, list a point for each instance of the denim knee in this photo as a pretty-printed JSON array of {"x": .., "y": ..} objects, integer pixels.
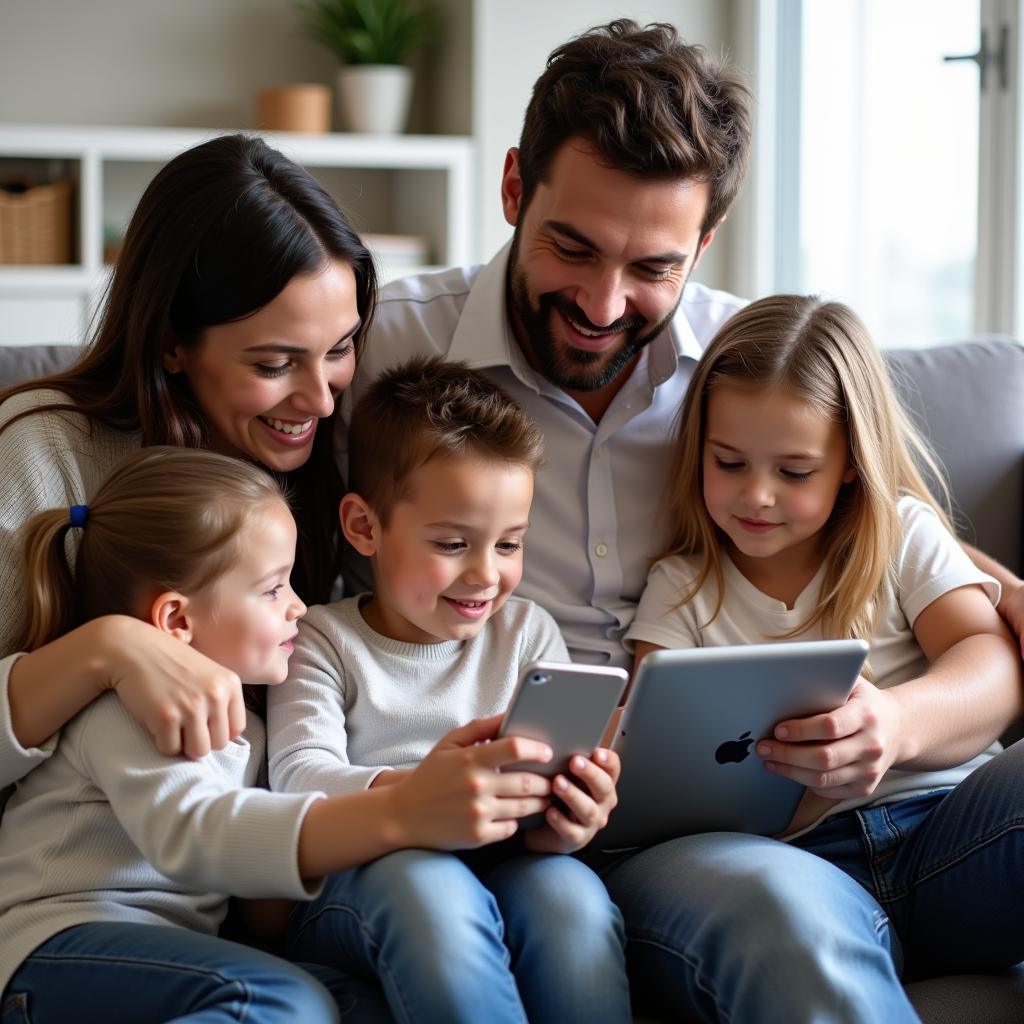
[
  {"x": 412, "y": 898},
  {"x": 433, "y": 894},
  {"x": 739, "y": 927},
  {"x": 557, "y": 894},
  {"x": 426, "y": 927},
  {"x": 287, "y": 994}
]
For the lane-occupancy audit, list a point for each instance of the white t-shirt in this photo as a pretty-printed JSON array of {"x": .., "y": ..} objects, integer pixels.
[
  {"x": 593, "y": 526},
  {"x": 930, "y": 563}
]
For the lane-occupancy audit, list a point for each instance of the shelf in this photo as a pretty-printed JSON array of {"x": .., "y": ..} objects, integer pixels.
[
  {"x": 160, "y": 144},
  {"x": 417, "y": 185},
  {"x": 37, "y": 278}
]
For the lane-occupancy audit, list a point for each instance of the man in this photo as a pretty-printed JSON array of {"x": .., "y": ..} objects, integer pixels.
[
  {"x": 583, "y": 318},
  {"x": 633, "y": 147}
]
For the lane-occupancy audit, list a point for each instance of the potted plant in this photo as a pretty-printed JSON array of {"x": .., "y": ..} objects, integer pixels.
[{"x": 373, "y": 39}]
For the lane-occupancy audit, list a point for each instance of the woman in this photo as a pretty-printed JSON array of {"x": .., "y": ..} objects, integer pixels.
[{"x": 233, "y": 320}]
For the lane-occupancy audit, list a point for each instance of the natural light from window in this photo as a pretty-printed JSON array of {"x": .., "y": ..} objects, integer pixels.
[{"x": 889, "y": 164}]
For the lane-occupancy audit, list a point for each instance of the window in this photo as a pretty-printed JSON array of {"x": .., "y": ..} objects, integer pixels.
[{"x": 893, "y": 172}]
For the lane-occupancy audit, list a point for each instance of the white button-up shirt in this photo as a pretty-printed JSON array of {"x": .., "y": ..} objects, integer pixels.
[{"x": 594, "y": 526}]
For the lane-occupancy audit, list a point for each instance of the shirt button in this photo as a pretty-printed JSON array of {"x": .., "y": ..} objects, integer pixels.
[{"x": 601, "y": 550}]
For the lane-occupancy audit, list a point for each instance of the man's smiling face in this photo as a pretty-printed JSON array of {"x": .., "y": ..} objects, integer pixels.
[{"x": 598, "y": 263}]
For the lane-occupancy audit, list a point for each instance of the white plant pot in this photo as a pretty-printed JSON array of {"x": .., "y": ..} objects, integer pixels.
[{"x": 374, "y": 98}]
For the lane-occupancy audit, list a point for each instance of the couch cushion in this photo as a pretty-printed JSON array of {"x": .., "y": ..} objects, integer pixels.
[
  {"x": 964, "y": 998},
  {"x": 968, "y": 400},
  {"x": 22, "y": 362}
]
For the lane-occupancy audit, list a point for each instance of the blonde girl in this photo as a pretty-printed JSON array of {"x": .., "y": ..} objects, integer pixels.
[
  {"x": 798, "y": 510},
  {"x": 115, "y": 859}
]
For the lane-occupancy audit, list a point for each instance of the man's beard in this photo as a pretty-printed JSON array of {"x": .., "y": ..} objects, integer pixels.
[{"x": 569, "y": 368}]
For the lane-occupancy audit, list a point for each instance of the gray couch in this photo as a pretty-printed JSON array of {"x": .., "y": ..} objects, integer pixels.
[{"x": 969, "y": 400}]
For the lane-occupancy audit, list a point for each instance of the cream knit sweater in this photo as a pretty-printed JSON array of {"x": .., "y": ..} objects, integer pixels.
[
  {"x": 108, "y": 829},
  {"x": 47, "y": 460}
]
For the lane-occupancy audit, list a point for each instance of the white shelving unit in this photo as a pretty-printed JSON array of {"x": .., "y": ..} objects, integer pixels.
[{"x": 406, "y": 184}]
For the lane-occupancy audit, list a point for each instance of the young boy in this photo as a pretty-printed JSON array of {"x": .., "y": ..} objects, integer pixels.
[{"x": 441, "y": 469}]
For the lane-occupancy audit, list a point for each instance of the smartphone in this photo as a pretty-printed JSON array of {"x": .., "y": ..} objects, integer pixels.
[{"x": 566, "y": 706}]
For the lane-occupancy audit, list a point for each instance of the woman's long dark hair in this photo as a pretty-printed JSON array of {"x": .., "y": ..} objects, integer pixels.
[{"x": 217, "y": 235}]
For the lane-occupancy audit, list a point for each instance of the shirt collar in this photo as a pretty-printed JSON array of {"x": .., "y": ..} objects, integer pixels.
[
  {"x": 684, "y": 341},
  {"x": 483, "y": 336}
]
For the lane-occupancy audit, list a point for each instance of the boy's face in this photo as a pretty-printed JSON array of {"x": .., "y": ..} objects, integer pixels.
[
  {"x": 452, "y": 551},
  {"x": 247, "y": 619}
]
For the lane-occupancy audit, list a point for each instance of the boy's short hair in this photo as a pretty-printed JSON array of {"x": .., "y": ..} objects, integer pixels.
[{"x": 428, "y": 408}]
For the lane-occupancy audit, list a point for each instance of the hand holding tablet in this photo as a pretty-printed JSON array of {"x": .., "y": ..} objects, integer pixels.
[{"x": 690, "y": 726}]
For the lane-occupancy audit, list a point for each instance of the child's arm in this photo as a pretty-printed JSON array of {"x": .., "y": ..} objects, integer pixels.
[
  {"x": 641, "y": 648},
  {"x": 196, "y": 826},
  {"x": 640, "y": 651},
  {"x": 456, "y": 798},
  {"x": 1011, "y": 601},
  {"x": 970, "y": 693}
]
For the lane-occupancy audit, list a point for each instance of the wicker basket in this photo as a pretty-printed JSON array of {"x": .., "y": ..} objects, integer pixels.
[{"x": 35, "y": 222}]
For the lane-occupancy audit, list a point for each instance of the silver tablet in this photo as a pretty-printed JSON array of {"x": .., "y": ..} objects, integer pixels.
[{"x": 688, "y": 733}]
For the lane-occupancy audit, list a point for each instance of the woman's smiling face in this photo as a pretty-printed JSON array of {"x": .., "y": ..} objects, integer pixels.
[{"x": 263, "y": 383}]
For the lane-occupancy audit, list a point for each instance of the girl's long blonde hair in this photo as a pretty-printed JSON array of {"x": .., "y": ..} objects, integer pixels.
[
  {"x": 822, "y": 353},
  {"x": 163, "y": 519}
]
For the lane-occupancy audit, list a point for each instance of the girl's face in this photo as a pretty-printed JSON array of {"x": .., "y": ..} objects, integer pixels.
[
  {"x": 263, "y": 383},
  {"x": 246, "y": 620},
  {"x": 773, "y": 466},
  {"x": 452, "y": 551}
]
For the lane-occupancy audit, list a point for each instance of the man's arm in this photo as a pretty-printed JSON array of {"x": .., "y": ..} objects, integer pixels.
[{"x": 1011, "y": 601}]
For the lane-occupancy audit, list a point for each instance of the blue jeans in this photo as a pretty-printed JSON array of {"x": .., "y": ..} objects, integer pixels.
[
  {"x": 483, "y": 936},
  {"x": 152, "y": 973},
  {"x": 743, "y": 928}
]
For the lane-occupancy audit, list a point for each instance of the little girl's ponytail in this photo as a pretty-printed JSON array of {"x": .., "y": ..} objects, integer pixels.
[
  {"x": 163, "y": 519},
  {"x": 49, "y": 584}
]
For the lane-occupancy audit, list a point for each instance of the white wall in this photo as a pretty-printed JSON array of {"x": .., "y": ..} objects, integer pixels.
[
  {"x": 200, "y": 63},
  {"x": 186, "y": 63}
]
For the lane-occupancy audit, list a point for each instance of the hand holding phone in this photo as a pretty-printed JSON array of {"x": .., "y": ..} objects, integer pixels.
[{"x": 566, "y": 706}]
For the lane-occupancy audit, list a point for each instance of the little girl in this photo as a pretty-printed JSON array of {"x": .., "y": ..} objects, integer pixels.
[
  {"x": 797, "y": 511},
  {"x": 116, "y": 859}
]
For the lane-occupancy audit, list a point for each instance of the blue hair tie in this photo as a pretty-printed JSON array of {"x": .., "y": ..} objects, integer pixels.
[{"x": 79, "y": 514}]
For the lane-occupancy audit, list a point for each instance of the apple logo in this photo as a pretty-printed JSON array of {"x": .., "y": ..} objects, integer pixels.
[{"x": 734, "y": 750}]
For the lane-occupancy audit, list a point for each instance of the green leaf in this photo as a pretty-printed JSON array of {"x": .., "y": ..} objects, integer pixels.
[{"x": 368, "y": 31}]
